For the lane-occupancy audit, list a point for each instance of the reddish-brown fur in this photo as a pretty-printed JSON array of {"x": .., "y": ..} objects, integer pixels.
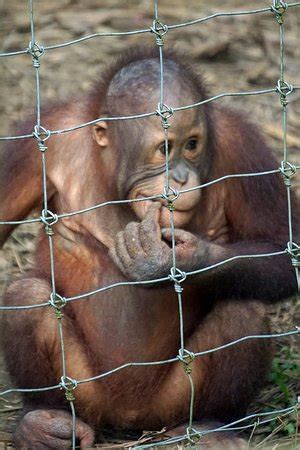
[{"x": 240, "y": 216}]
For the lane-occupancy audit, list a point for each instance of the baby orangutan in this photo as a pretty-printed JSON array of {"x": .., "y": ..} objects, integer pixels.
[{"x": 126, "y": 160}]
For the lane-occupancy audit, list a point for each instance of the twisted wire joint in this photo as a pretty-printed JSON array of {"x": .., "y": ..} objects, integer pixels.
[
  {"x": 40, "y": 133},
  {"x": 36, "y": 51},
  {"x": 159, "y": 29},
  {"x": 279, "y": 7},
  {"x": 293, "y": 250},
  {"x": 170, "y": 195},
  {"x": 284, "y": 89},
  {"x": 165, "y": 112},
  {"x": 288, "y": 170},
  {"x": 68, "y": 384},
  {"x": 177, "y": 276},
  {"x": 197, "y": 435},
  {"x": 57, "y": 302}
]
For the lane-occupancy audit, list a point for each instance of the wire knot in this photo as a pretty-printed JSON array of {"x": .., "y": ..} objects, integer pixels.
[
  {"x": 165, "y": 112},
  {"x": 284, "y": 89},
  {"x": 186, "y": 358},
  {"x": 177, "y": 276},
  {"x": 42, "y": 147},
  {"x": 48, "y": 218},
  {"x": 68, "y": 384},
  {"x": 279, "y": 7},
  {"x": 58, "y": 303},
  {"x": 193, "y": 435},
  {"x": 41, "y": 134},
  {"x": 293, "y": 250},
  {"x": 288, "y": 170},
  {"x": 170, "y": 195},
  {"x": 36, "y": 51},
  {"x": 159, "y": 29}
]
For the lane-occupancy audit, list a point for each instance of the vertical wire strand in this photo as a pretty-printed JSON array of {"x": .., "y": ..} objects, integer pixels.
[
  {"x": 161, "y": 99},
  {"x": 62, "y": 344},
  {"x": 161, "y": 63},
  {"x": 167, "y": 169},
  {"x": 156, "y": 9},
  {"x": 284, "y": 103},
  {"x": 52, "y": 264},
  {"x": 284, "y": 121},
  {"x": 192, "y": 401},
  {"x": 73, "y": 411},
  {"x": 38, "y": 97},
  {"x": 32, "y": 29},
  {"x": 35, "y": 51},
  {"x": 282, "y": 52},
  {"x": 44, "y": 176},
  {"x": 177, "y": 286}
]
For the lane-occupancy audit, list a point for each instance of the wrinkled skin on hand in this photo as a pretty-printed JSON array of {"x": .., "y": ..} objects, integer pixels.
[
  {"x": 141, "y": 251},
  {"x": 51, "y": 429},
  {"x": 191, "y": 251}
]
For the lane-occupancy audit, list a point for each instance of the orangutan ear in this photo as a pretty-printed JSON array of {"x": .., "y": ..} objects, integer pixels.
[{"x": 100, "y": 134}]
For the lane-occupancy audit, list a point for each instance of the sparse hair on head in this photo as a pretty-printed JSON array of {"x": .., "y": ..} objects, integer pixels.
[{"x": 114, "y": 79}]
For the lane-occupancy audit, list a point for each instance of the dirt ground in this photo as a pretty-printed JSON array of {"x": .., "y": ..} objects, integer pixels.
[{"x": 234, "y": 53}]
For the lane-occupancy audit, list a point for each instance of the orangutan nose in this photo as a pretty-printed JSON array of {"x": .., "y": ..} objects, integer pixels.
[{"x": 180, "y": 173}]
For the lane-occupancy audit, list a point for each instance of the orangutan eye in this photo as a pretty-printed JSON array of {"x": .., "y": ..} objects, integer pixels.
[
  {"x": 162, "y": 148},
  {"x": 191, "y": 144}
]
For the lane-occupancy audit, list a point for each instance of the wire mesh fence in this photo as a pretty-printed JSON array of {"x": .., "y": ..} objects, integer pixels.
[{"x": 159, "y": 30}]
